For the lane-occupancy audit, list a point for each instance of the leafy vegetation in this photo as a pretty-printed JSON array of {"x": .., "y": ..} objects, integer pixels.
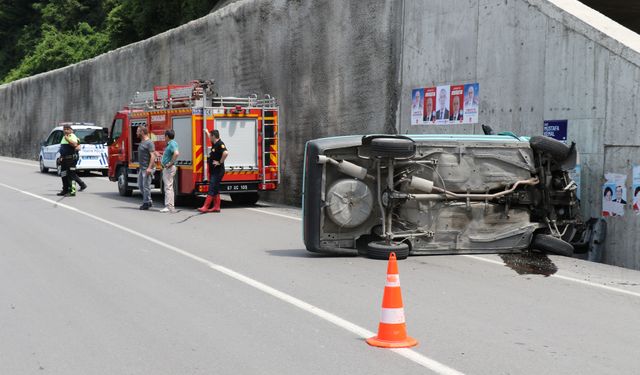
[{"x": 38, "y": 36}]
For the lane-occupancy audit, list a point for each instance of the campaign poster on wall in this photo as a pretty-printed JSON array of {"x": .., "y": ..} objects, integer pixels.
[
  {"x": 417, "y": 106},
  {"x": 556, "y": 129},
  {"x": 456, "y": 106},
  {"x": 429, "y": 105},
  {"x": 442, "y": 104},
  {"x": 471, "y": 99},
  {"x": 635, "y": 188},
  {"x": 614, "y": 194},
  {"x": 445, "y": 104}
]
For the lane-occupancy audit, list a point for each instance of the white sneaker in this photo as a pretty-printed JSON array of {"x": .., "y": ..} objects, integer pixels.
[{"x": 165, "y": 210}]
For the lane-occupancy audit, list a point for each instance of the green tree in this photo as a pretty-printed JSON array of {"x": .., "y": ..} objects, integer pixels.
[
  {"x": 57, "y": 49},
  {"x": 133, "y": 20},
  {"x": 18, "y": 26},
  {"x": 40, "y": 35}
]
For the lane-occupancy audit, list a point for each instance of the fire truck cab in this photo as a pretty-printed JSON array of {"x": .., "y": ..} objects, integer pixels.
[{"x": 248, "y": 126}]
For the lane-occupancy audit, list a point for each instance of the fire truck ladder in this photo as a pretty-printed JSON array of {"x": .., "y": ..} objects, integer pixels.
[
  {"x": 270, "y": 142},
  {"x": 171, "y": 96}
]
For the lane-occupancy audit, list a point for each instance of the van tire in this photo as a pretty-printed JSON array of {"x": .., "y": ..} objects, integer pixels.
[
  {"x": 381, "y": 250},
  {"x": 551, "y": 244},
  {"x": 392, "y": 147},
  {"x": 552, "y": 147}
]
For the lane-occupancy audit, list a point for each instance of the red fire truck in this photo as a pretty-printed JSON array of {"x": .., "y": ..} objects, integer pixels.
[{"x": 247, "y": 125}]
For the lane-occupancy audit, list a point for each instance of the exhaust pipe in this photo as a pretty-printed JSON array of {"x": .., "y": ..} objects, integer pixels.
[{"x": 345, "y": 167}]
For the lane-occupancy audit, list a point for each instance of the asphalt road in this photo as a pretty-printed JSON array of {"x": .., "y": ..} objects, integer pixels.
[{"x": 92, "y": 285}]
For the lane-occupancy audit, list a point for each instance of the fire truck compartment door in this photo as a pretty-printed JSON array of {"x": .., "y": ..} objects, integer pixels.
[
  {"x": 182, "y": 128},
  {"x": 241, "y": 138}
]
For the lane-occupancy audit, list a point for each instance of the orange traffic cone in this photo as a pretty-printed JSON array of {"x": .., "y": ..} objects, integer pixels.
[{"x": 392, "y": 331}]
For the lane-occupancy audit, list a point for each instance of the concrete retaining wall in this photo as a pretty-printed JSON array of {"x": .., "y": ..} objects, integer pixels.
[
  {"x": 331, "y": 64},
  {"x": 348, "y": 67}
]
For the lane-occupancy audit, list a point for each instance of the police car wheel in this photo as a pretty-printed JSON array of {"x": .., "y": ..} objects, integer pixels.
[
  {"x": 43, "y": 169},
  {"x": 105, "y": 173}
]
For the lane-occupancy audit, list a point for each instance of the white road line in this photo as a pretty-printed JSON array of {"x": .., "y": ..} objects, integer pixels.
[
  {"x": 274, "y": 214},
  {"x": 567, "y": 278},
  {"x": 19, "y": 162},
  {"x": 414, "y": 356}
]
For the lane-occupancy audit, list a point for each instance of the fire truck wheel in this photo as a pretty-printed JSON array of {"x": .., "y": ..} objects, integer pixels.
[
  {"x": 43, "y": 169},
  {"x": 245, "y": 199},
  {"x": 123, "y": 183}
]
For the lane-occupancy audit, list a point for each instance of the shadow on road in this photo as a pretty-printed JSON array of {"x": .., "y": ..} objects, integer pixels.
[
  {"x": 302, "y": 253},
  {"x": 530, "y": 263}
]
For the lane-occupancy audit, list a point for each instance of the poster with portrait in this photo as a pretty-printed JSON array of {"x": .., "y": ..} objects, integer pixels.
[
  {"x": 471, "y": 102},
  {"x": 445, "y": 104},
  {"x": 417, "y": 106},
  {"x": 635, "y": 189},
  {"x": 442, "y": 104},
  {"x": 614, "y": 194},
  {"x": 456, "y": 105},
  {"x": 429, "y": 116}
]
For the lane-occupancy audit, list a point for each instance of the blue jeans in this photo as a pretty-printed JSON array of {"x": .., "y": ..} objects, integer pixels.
[{"x": 144, "y": 184}]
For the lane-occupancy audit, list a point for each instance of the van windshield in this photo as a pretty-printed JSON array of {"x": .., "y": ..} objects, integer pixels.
[{"x": 91, "y": 136}]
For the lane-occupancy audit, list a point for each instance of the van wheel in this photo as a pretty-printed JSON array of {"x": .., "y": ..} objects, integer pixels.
[
  {"x": 382, "y": 250},
  {"x": 43, "y": 169},
  {"x": 551, "y": 244},
  {"x": 556, "y": 149},
  {"x": 245, "y": 199},
  {"x": 393, "y": 147},
  {"x": 123, "y": 183}
]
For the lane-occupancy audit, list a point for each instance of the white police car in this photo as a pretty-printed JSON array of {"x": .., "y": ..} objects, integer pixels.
[{"x": 93, "y": 154}]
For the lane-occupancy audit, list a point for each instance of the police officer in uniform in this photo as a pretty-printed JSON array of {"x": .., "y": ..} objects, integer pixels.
[
  {"x": 216, "y": 160},
  {"x": 68, "y": 160}
]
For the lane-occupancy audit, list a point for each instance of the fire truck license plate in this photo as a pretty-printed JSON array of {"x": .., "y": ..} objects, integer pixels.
[{"x": 240, "y": 187}]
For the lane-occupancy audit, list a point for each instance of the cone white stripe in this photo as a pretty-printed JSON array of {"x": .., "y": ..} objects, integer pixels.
[
  {"x": 393, "y": 280},
  {"x": 392, "y": 316}
]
